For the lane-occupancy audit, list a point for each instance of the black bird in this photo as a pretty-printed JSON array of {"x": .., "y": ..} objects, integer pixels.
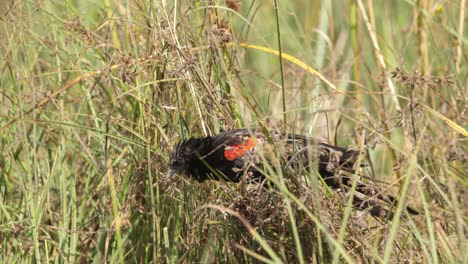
[{"x": 240, "y": 153}]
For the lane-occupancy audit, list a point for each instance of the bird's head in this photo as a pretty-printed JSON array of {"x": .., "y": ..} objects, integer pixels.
[
  {"x": 185, "y": 154},
  {"x": 179, "y": 160}
]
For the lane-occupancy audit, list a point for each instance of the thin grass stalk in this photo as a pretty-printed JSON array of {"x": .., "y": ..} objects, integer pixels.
[
  {"x": 354, "y": 26},
  {"x": 460, "y": 218},
  {"x": 378, "y": 54},
  {"x": 430, "y": 227},
  {"x": 292, "y": 218},
  {"x": 255, "y": 255},
  {"x": 321, "y": 44},
  {"x": 461, "y": 25},
  {"x": 420, "y": 7},
  {"x": 110, "y": 16},
  {"x": 115, "y": 210},
  {"x": 278, "y": 33}
]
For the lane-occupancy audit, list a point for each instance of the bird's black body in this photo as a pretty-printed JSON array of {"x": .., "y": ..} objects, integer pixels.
[
  {"x": 206, "y": 158},
  {"x": 240, "y": 153}
]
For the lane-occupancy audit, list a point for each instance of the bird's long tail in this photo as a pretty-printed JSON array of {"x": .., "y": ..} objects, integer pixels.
[{"x": 337, "y": 168}]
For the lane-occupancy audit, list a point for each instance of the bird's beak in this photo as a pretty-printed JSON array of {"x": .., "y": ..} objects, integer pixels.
[{"x": 170, "y": 173}]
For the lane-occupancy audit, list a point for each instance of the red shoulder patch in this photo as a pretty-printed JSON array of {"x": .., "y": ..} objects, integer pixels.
[{"x": 236, "y": 151}]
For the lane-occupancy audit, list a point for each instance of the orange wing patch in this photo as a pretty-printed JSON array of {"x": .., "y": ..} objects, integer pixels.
[{"x": 236, "y": 151}]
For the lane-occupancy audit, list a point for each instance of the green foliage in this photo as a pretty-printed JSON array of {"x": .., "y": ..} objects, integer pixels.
[{"x": 94, "y": 96}]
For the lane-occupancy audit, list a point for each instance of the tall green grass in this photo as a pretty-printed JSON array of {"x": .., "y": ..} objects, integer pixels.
[{"x": 93, "y": 97}]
